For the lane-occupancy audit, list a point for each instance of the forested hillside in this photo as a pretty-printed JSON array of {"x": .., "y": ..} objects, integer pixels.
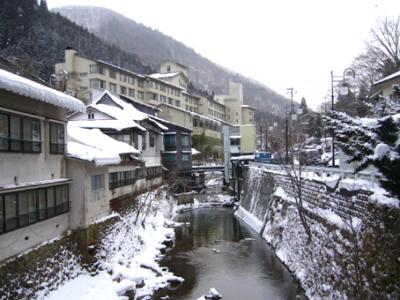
[
  {"x": 154, "y": 47},
  {"x": 35, "y": 39}
]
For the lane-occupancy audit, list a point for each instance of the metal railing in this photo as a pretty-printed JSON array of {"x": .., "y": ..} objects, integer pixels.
[{"x": 370, "y": 176}]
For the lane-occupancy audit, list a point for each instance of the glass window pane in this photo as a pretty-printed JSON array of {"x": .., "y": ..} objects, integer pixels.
[
  {"x": 1, "y": 215},
  {"x": 32, "y": 206},
  {"x": 50, "y": 202},
  {"x": 10, "y": 211},
  {"x": 36, "y": 136},
  {"x": 4, "y": 132},
  {"x": 15, "y": 133},
  {"x": 42, "y": 203},
  {"x": 23, "y": 208}
]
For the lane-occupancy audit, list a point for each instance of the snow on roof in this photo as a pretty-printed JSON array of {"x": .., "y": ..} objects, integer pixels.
[
  {"x": 93, "y": 145},
  {"x": 190, "y": 112},
  {"x": 107, "y": 124},
  {"x": 387, "y": 78},
  {"x": 171, "y": 123},
  {"x": 161, "y": 126},
  {"x": 128, "y": 110},
  {"x": 118, "y": 114},
  {"x": 235, "y": 137},
  {"x": 243, "y": 157},
  {"x": 163, "y": 75},
  {"x": 167, "y": 83},
  {"x": 120, "y": 68},
  {"x": 195, "y": 152},
  {"x": 247, "y": 106},
  {"x": 28, "y": 88}
]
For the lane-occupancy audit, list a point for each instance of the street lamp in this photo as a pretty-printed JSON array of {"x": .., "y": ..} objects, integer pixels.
[{"x": 343, "y": 90}]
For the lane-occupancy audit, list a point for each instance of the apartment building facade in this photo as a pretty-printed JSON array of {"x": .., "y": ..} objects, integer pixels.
[
  {"x": 169, "y": 90},
  {"x": 34, "y": 187}
]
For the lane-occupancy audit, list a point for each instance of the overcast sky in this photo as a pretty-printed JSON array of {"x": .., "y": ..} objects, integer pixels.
[{"x": 279, "y": 43}]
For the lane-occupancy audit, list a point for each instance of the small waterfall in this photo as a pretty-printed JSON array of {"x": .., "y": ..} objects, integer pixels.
[{"x": 259, "y": 187}]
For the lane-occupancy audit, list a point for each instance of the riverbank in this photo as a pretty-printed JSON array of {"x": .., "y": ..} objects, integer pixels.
[
  {"x": 345, "y": 247},
  {"x": 128, "y": 255}
]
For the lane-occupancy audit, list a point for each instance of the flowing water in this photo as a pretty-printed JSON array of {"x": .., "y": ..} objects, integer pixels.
[{"x": 214, "y": 249}]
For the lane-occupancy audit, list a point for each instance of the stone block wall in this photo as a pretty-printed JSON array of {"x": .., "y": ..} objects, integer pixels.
[{"x": 354, "y": 251}]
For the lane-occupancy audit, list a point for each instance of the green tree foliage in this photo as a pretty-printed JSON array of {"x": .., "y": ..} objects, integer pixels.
[{"x": 208, "y": 146}]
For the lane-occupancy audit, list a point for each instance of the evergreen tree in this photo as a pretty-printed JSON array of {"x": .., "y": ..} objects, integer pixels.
[
  {"x": 373, "y": 141},
  {"x": 303, "y": 106}
]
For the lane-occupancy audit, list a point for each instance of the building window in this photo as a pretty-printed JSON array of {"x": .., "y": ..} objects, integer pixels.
[
  {"x": 169, "y": 156},
  {"x": 169, "y": 140},
  {"x": 152, "y": 96},
  {"x": 185, "y": 156},
  {"x": 185, "y": 140},
  {"x": 112, "y": 74},
  {"x": 152, "y": 172},
  {"x": 140, "y": 95},
  {"x": 123, "y": 77},
  {"x": 97, "y": 182},
  {"x": 21, "y": 209},
  {"x": 170, "y": 101},
  {"x": 19, "y": 134},
  {"x": 131, "y": 80},
  {"x": 140, "y": 83},
  {"x": 113, "y": 87},
  {"x": 97, "y": 84},
  {"x": 122, "y": 90},
  {"x": 235, "y": 142},
  {"x": 118, "y": 179},
  {"x": 57, "y": 140},
  {"x": 163, "y": 99},
  {"x": 152, "y": 139},
  {"x": 93, "y": 69},
  {"x": 131, "y": 93},
  {"x": 90, "y": 116},
  {"x": 168, "y": 68}
]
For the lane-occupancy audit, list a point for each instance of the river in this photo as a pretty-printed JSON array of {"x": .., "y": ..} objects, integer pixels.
[{"x": 215, "y": 249}]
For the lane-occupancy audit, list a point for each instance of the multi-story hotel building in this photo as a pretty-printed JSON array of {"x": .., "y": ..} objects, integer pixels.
[{"x": 169, "y": 90}]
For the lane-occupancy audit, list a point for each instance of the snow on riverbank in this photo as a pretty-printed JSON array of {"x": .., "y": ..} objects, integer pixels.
[{"x": 128, "y": 257}]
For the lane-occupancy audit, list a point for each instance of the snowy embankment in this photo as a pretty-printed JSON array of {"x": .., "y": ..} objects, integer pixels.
[
  {"x": 128, "y": 256},
  {"x": 344, "y": 257}
]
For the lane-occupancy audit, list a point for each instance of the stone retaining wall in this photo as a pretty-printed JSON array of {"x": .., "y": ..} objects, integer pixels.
[{"x": 354, "y": 252}]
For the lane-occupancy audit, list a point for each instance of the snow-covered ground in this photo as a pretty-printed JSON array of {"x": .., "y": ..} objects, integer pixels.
[
  {"x": 128, "y": 256},
  {"x": 129, "y": 252}
]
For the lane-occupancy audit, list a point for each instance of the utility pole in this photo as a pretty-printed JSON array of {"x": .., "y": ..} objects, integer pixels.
[
  {"x": 286, "y": 136},
  {"x": 290, "y": 91}
]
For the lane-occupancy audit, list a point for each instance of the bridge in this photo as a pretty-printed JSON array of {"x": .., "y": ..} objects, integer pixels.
[{"x": 205, "y": 168}]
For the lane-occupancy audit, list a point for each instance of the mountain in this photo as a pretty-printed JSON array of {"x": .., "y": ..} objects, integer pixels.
[
  {"x": 35, "y": 38},
  {"x": 153, "y": 47}
]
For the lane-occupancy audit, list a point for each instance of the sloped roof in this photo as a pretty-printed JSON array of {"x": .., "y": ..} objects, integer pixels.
[
  {"x": 387, "y": 78},
  {"x": 28, "y": 88},
  {"x": 93, "y": 145}
]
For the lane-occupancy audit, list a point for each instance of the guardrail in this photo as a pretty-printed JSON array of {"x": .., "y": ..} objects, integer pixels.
[{"x": 366, "y": 175}]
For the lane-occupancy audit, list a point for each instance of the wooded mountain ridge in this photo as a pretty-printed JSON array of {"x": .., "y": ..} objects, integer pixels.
[{"x": 154, "y": 47}]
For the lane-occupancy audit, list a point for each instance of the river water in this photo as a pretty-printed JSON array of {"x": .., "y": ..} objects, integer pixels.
[{"x": 215, "y": 249}]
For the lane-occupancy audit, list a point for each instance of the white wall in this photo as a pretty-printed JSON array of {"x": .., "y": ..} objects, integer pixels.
[
  {"x": 29, "y": 167},
  {"x": 17, "y": 241}
]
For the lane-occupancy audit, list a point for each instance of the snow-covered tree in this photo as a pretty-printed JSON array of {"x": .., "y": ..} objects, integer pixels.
[{"x": 373, "y": 141}]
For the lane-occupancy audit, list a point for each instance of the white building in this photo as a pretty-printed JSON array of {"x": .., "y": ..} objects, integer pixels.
[
  {"x": 34, "y": 187},
  {"x": 91, "y": 156}
]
